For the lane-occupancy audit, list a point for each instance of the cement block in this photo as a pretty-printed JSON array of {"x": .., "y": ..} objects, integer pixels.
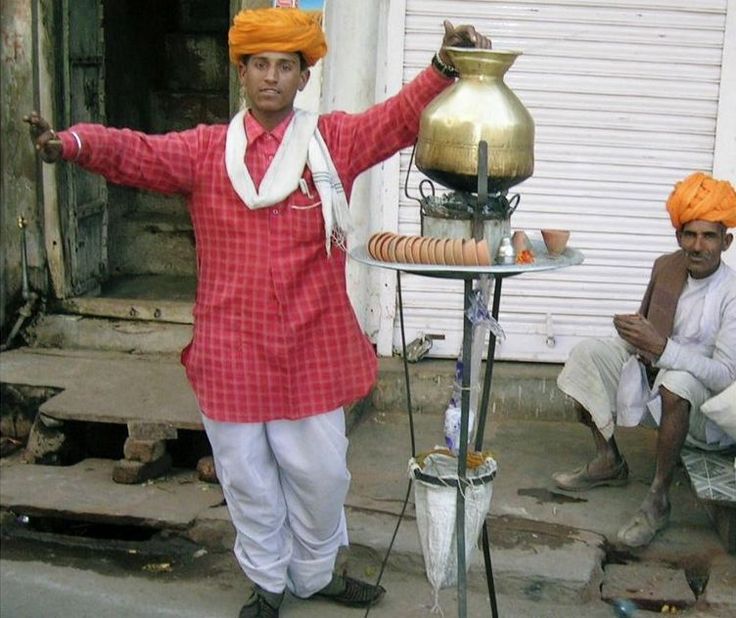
[{"x": 650, "y": 586}]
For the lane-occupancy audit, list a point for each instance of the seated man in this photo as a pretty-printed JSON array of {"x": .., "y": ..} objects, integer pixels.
[{"x": 683, "y": 338}]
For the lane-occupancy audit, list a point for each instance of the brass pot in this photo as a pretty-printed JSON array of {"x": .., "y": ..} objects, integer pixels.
[{"x": 478, "y": 106}]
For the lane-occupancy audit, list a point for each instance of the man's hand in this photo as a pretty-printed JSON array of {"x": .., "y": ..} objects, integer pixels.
[
  {"x": 44, "y": 138},
  {"x": 462, "y": 36},
  {"x": 636, "y": 330}
]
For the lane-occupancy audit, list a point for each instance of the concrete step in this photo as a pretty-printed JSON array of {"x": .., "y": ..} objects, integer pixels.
[
  {"x": 182, "y": 504},
  {"x": 518, "y": 390},
  {"x": 136, "y": 336},
  {"x": 106, "y": 387},
  {"x": 546, "y": 546}
]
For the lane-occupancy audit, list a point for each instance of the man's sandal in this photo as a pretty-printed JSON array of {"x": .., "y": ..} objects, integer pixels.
[
  {"x": 350, "y": 592},
  {"x": 582, "y": 479},
  {"x": 261, "y": 604}
]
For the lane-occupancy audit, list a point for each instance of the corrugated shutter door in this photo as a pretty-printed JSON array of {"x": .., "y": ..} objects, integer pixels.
[{"x": 624, "y": 95}]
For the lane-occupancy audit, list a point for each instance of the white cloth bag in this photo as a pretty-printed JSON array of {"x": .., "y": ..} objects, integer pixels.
[{"x": 435, "y": 478}]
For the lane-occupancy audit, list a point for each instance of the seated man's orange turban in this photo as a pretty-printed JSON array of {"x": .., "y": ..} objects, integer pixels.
[
  {"x": 277, "y": 30},
  {"x": 700, "y": 197}
]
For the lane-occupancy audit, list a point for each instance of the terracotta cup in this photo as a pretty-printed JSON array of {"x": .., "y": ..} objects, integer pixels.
[{"x": 555, "y": 240}]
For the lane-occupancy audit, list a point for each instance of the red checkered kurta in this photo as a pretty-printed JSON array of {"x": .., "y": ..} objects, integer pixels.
[{"x": 274, "y": 334}]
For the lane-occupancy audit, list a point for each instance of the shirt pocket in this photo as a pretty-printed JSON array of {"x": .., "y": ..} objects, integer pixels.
[{"x": 305, "y": 217}]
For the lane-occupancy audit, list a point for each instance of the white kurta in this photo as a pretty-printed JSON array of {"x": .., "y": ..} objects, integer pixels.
[{"x": 698, "y": 362}]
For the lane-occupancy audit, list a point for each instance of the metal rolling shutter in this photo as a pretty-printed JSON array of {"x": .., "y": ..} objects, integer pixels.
[{"x": 624, "y": 94}]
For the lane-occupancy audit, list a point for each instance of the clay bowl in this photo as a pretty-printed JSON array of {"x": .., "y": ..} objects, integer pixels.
[
  {"x": 470, "y": 253},
  {"x": 424, "y": 250},
  {"x": 433, "y": 250},
  {"x": 449, "y": 253},
  {"x": 416, "y": 250},
  {"x": 391, "y": 248},
  {"x": 371, "y": 245},
  {"x": 377, "y": 241},
  {"x": 520, "y": 242},
  {"x": 374, "y": 243},
  {"x": 412, "y": 250},
  {"x": 457, "y": 251},
  {"x": 484, "y": 254},
  {"x": 439, "y": 251},
  {"x": 382, "y": 246},
  {"x": 555, "y": 240},
  {"x": 401, "y": 249}
]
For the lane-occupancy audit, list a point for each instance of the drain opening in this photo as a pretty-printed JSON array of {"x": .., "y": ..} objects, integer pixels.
[{"x": 86, "y": 529}]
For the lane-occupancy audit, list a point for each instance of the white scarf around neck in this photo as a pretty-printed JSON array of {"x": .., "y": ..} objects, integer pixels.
[{"x": 302, "y": 145}]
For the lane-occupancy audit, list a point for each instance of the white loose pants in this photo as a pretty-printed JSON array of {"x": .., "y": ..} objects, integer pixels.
[{"x": 285, "y": 484}]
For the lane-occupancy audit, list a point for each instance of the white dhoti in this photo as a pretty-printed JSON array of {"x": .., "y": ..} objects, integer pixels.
[
  {"x": 591, "y": 377},
  {"x": 285, "y": 484}
]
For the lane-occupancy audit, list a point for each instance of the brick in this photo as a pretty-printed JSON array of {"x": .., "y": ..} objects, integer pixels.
[
  {"x": 650, "y": 586},
  {"x": 206, "y": 470},
  {"x": 131, "y": 472},
  {"x": 141, "y": 430},
  {"x": 145, "y": 451}
]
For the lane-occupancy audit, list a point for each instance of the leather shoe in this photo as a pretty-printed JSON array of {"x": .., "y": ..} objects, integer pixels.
[
  {"x": 642, "y": 528},
  {"x": 350, "y": 592},
  {"x": 581, "y": 479},
  {"x": 261, "y": 604}
]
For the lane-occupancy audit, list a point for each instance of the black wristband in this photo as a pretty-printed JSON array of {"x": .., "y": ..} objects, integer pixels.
[{"x": 443, "y": 68}]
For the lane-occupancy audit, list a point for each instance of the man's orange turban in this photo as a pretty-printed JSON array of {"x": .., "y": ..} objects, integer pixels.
[
  {"x": 700, "y": 197},
  {"x": 277, "y": 30}
]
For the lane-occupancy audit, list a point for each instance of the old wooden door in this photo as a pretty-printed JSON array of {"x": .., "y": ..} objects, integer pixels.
[{"x": 82, "y": 196}]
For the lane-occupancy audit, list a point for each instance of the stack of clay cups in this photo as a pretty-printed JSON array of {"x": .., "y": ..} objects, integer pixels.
[{"x": 391, "y": 247}]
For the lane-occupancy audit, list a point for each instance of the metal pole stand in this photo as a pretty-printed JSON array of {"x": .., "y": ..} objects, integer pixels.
[{"x": 477, "y": 228}]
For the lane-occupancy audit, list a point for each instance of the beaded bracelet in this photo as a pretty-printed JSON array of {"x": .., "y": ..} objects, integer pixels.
[{"x": 443, "y": 68}]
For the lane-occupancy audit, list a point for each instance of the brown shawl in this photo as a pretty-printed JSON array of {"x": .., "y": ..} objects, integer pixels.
[{"x": 666, "y": 283}]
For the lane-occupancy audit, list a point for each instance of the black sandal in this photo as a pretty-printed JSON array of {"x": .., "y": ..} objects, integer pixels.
[
  {"x": 354, "y": 594},
  {"x": 258, "y": 605}
]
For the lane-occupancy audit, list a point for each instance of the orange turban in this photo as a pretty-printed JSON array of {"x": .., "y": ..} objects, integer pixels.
[
  {"x": 700, "y": 197},
  {"x": 277, "y": 30}
]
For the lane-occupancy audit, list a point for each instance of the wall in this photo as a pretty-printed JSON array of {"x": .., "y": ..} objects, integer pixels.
[
  {"x": 353, "y": 79},
  {"x": 18, "y": 166}
]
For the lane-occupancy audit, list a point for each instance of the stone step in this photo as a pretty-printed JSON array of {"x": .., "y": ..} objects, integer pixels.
[
  {"x": 561, "y": 565},
  {"x": 106, "y": 387},
  {"x": 78, "y": 332}
]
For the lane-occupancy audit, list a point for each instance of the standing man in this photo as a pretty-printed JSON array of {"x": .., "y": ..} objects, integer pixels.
[
  {"x": 683, "y": 338},
  {"x": 276, "y": 350}
]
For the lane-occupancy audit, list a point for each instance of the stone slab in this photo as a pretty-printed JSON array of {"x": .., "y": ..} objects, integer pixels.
[
  {"x": 106, "y": 387},
  {"x": 650, "y": 586},
  {"x": 86, "y": 491},
  {"x": 132, "y": 472},
  {"x": 555, "y": 566},
  {"x": 720, "y": 592},
  {"x": 527, "y": 453}
]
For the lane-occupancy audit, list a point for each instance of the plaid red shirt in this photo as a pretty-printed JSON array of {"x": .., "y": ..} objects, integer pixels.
[{"x": 275, "y": 336}]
